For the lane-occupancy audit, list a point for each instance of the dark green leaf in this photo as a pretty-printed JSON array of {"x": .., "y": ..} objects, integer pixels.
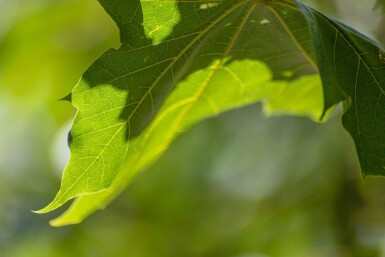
[{"x": 352, "y": 68}]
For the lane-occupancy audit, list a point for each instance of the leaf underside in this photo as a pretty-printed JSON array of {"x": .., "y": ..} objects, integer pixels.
[{"x": 183, "y": 61}]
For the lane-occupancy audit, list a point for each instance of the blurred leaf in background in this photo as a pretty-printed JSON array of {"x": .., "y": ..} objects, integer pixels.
[
  {"x": 238, "y": 185},
  {"x": 44, "y": 47},
  {"x": 379, "y": 4}
]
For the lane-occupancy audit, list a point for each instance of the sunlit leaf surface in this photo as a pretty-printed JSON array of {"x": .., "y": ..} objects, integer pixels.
[{"x": 179, "y": 62}]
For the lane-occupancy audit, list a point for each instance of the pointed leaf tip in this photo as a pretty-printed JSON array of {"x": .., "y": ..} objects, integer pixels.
[
  {"x": 44, "y": 210},
  {"x": 67, "y": 98}
]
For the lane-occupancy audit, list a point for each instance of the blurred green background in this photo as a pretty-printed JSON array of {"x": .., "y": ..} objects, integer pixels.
[{"x": 238, "y": 185}]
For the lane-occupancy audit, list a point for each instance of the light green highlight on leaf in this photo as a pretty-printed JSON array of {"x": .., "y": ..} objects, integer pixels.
[
  {"x": 160, "y": 18},
  {"x": 301, "y": 97},
  {"x": 201, "y": 95}
]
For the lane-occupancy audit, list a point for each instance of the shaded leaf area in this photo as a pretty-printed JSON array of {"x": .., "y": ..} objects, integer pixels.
[
  {"x": 179, "y": 62},
  {"x": 352, "y": 68}
]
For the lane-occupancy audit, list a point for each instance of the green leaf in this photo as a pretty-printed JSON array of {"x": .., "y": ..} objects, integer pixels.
[
  {"x": 302, "y": 96},
  {"x": 352, "y": 68},
  {"x": 179, "y": 62}
]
